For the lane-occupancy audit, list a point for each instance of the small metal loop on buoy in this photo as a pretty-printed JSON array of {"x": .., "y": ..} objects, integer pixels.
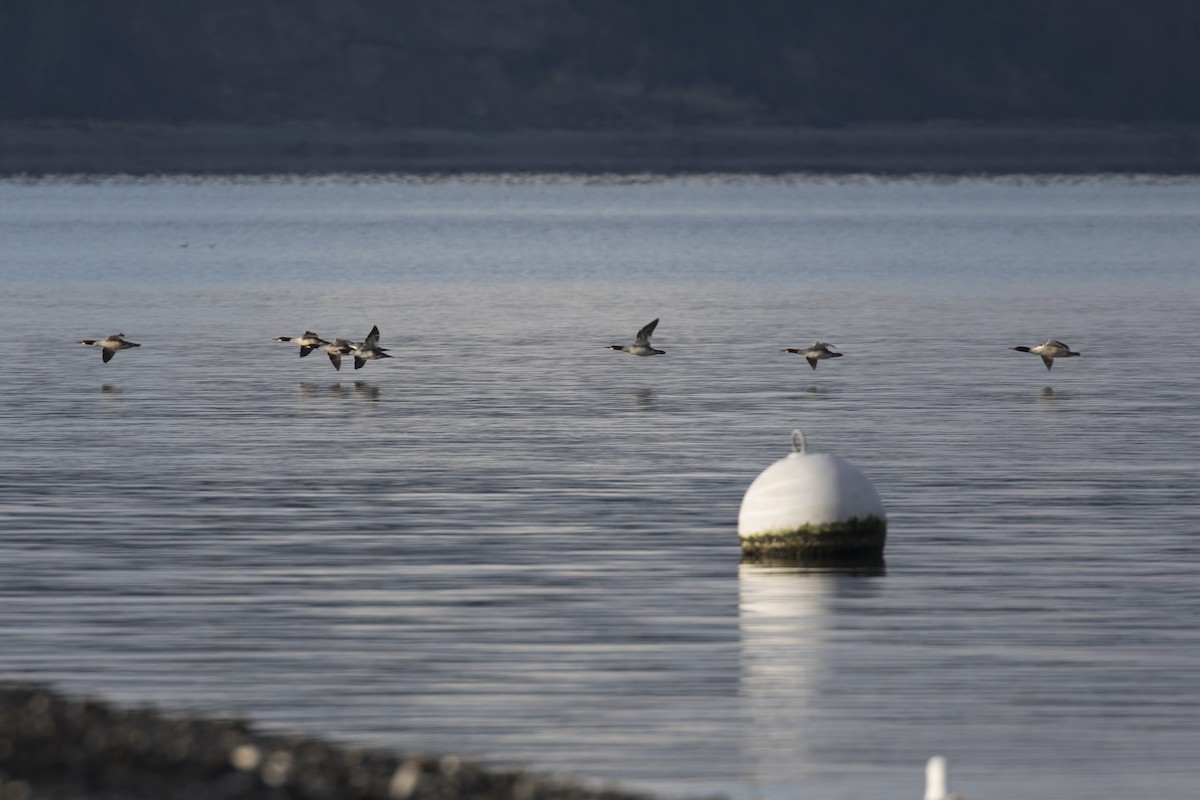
[{"x": 798, "y": 434}]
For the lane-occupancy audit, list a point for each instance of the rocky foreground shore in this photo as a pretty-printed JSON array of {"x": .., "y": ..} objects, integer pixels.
[{"x": 56, "y": 748}]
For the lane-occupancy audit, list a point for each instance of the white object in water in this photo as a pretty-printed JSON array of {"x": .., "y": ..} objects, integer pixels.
[
  {"x": 811, "y": 505},
  {"x": 935, "y": 781}
]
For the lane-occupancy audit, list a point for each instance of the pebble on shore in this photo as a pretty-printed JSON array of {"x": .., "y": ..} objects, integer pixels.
[{"x": 56, "y": 748}]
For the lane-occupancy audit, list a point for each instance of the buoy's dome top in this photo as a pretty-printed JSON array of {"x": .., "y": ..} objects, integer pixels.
[{"x": 806, "y": 489}]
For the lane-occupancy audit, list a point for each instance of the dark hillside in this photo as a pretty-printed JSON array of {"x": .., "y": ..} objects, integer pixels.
[{"x": 598, "y": 64}]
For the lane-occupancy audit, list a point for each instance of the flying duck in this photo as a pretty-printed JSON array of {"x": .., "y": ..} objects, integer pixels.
[
  {"x": 812, "y": 355},
  {"x": 308, "y": 342},
  {"x": 110, "y": 345},
  {"x": 1049, "y": 351},
  {"x": 368, "y": 349},
  {"x": 335, "y": 350},
  {"x": 641, "y": 345}
]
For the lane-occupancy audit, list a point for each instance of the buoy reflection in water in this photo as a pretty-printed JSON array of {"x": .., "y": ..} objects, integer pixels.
[{"x": 784, "y": 614}]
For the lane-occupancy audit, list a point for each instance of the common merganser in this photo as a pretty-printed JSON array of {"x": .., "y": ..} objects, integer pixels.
[
  {"x": 812, "y": 355},
  {"x": 335, "y": 350},
  {"x": 308, "y": 342},
  {"x": 368, "y": 349},
  {"x": 1049, "y": 351},
  {"x": 641, "y": 344},
  {"x": 110, "y": 345}
]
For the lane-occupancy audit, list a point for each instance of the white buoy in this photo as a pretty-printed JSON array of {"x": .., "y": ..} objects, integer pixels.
[
  {"x": 935, "y": 779},
  {"x": 812, "y": 507}
]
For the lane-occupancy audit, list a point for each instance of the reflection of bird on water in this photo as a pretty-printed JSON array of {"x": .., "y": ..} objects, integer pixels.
[
  {"x": 1049, "y": 351},
  {"x": 309, "y": 389},
  {"x": 818, "y": 352},
  {"x": 108, "y": 388},
  {"x": 308, "y": 342},
  {"x": 366, "y": 391},
  {"x": 368, "y": 349},
  {"x": 360, "y": 389},
  {"x": 641, "y": 344},
  {"x": 110, "y": 345},
  {"x": 644, "y": 398}
]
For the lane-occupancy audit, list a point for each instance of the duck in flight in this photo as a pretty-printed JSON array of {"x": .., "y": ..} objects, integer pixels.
[
  {"x": 818, "y": 351},
  {"x": 110, "y": 345},
  {"x": 1049, "y": 351},
  {"x": 366, "y": 350},
  {"x": 335, "y": 350},
  {"x": 641, "y": 344},
  {"x": 308, "y": 342}
]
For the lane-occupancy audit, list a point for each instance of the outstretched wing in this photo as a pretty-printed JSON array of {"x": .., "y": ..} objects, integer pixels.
[
  {"x": 1049, "y": 362},
  {"x": 643, "y": 336},
  {"x": 372, "y": 337},
  {"x": 106, "y": 355}
]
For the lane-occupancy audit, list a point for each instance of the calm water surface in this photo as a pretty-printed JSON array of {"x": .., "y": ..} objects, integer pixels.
[{"x": 511, "y": 543}]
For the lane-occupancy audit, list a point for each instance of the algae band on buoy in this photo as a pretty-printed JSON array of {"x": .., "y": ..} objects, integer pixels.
[{"x": 812, "y": 506}]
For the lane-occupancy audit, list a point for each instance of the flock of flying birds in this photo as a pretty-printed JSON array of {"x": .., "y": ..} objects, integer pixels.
[
  {"x": 366, "y": 350},
  {"x": 819, "y": 351},
  {"x": 369, "y": 350}
]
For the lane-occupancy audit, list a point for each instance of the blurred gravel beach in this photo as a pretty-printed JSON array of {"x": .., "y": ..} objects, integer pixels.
[{"x": 63, "y": 748}]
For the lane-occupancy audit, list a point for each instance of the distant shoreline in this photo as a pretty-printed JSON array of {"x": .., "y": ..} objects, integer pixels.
[{"x": 892, "y": 149}]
